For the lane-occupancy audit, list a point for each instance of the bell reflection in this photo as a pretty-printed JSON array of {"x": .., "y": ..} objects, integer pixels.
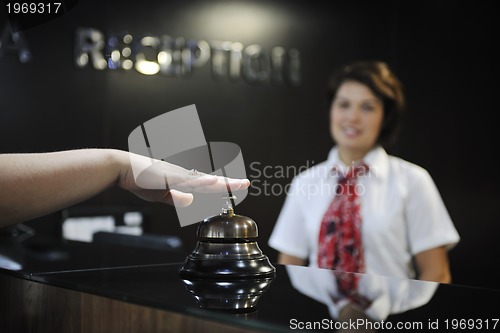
[{"x": 232, "y": 295}]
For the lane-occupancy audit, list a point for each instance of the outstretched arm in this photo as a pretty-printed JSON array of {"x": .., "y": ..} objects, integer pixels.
[{"x": 33, "y": 185}]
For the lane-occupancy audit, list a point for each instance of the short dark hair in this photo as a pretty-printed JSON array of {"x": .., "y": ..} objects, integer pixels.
[{"x": 383, "y": 83}]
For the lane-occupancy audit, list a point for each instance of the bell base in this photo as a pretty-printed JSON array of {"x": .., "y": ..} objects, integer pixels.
[{"x": 220, "y": 268}]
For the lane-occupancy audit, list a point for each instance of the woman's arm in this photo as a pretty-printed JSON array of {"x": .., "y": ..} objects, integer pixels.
[
  {"x": 286, "y": 259},
  {"x": 431, "y": 231},
  {"x": 33, "y": 185},
  {"x": 432, "y": 265}
]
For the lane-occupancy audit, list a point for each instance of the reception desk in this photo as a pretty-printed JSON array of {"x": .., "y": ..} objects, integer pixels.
[{"x": 110, "y": 288}]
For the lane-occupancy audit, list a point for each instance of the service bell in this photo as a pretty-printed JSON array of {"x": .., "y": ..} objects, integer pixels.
[
  {"x": 227, "y": 270},
  {"x": 227, "y": 247}
]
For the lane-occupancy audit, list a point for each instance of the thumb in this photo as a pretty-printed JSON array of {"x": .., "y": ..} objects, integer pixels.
[{"x": 179, "y": 199}]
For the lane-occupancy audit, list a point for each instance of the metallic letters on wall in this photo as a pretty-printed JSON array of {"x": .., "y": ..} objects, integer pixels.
[{"x": 178, "y": 57}]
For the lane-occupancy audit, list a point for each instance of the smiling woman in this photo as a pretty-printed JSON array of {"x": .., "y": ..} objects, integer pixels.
[
  {"x": 381, "y": 215},
  {"x": 356, "y": 117}
]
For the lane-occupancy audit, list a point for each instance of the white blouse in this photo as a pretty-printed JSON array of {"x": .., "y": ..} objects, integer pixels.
[{"x": 401, "y": 209}]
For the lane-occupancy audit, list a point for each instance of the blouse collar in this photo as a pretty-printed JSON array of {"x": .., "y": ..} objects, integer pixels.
[{"x": 377, "y": 160}]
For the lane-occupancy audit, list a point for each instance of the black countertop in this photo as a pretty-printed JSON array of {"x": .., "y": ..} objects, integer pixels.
[
  {"x": 28, "y": 258},
  {"x": 296, "y": 298}
]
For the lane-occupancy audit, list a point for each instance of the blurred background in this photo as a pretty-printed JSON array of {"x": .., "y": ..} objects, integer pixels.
[{"x": 257, "y": 73}]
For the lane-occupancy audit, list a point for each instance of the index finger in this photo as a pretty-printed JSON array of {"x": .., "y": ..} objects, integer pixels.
[{"x": 207, "y": 183}]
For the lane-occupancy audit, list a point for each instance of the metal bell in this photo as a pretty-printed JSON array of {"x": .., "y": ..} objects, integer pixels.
[
  {"x": 227, "y": 247},
  {"x": 227, "y": 270}
]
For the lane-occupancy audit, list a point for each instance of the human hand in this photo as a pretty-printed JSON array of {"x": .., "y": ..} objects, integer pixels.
[{"x": 169, "y": 183}]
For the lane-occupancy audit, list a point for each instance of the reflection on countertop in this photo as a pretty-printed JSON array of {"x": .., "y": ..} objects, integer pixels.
[
  {"x": 295, "y": 297},
  {"x": 377, "y": 297}
]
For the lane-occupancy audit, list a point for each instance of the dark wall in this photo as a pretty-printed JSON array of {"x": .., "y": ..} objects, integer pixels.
[{"x": 443, "y": 54}]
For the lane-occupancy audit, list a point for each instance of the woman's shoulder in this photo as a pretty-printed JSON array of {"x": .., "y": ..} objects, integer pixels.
[{"x": 410, "y": 170}]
